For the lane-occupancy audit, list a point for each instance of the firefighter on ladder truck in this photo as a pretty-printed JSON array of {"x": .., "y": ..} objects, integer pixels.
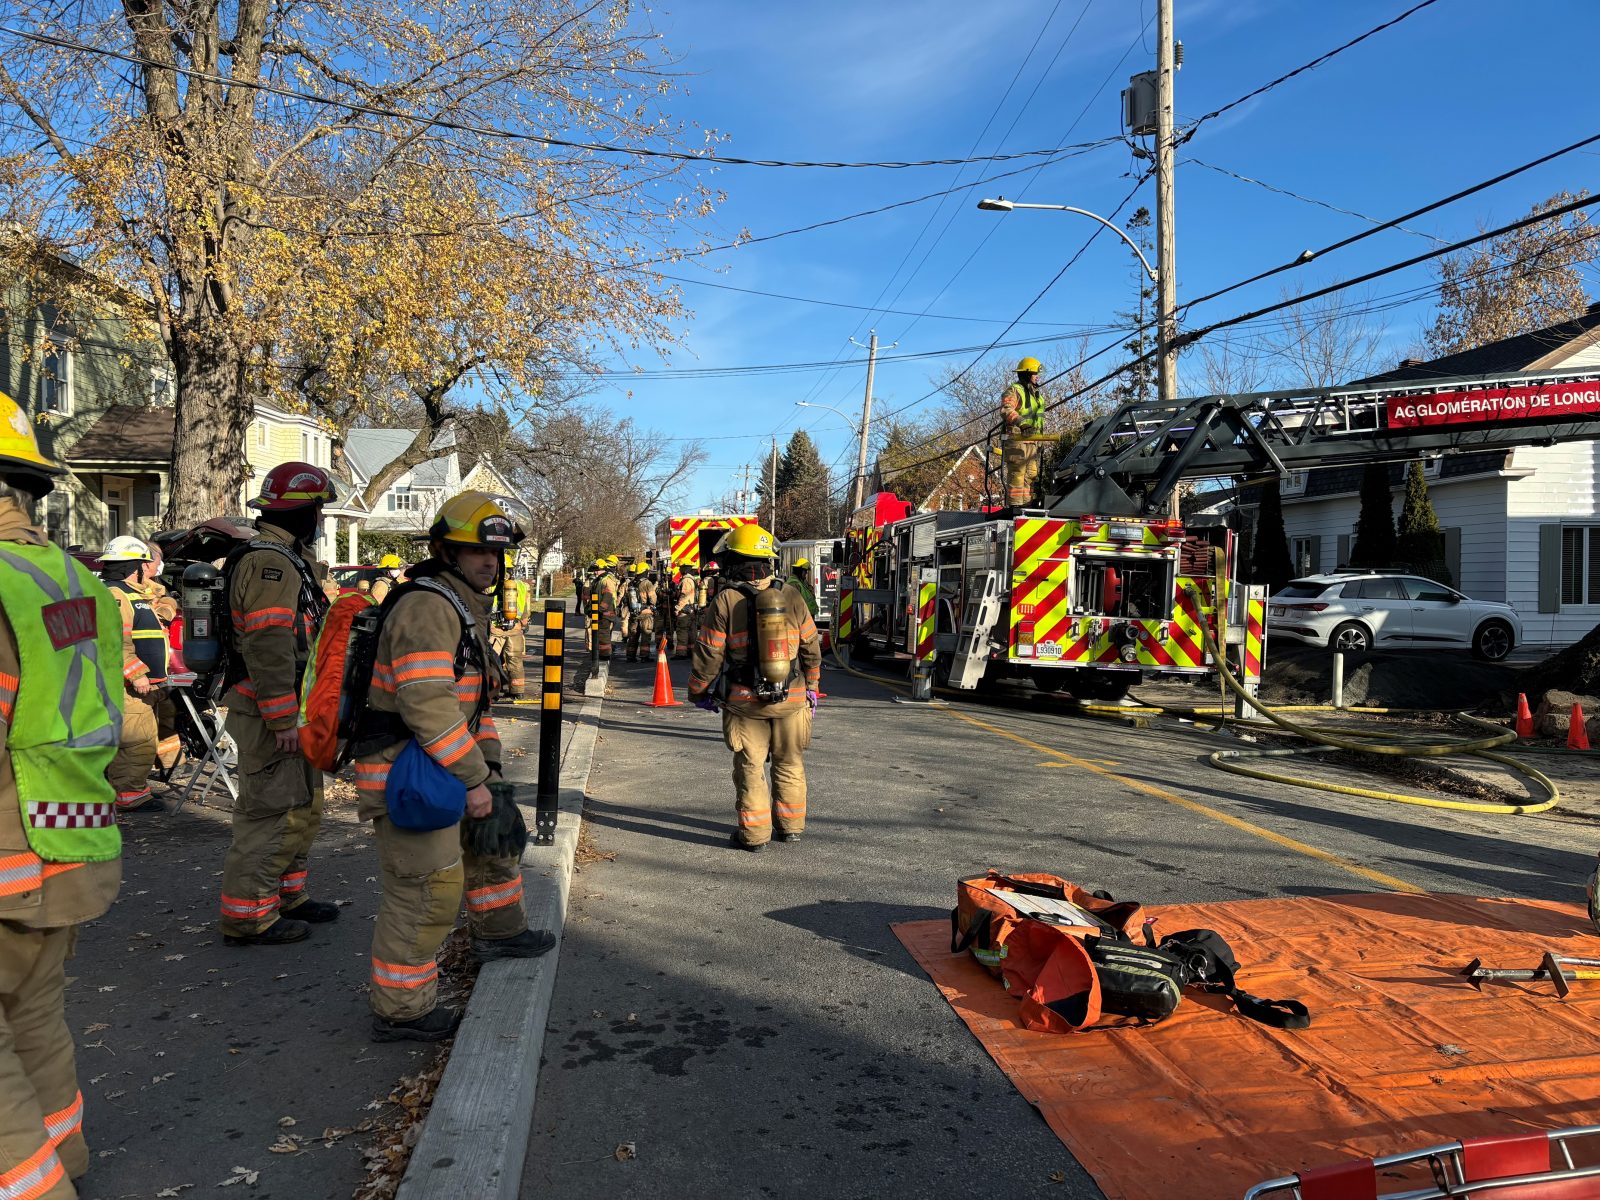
[{"x": 1101, "y": 587}]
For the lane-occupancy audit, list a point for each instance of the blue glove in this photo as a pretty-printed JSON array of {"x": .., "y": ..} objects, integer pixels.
[
  {"x": 707, "y": 703},
  {"x": 813, "y": 699}
]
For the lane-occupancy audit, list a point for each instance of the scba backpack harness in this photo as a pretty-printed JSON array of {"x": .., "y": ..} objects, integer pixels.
[{"x": 1069, "y": 956}]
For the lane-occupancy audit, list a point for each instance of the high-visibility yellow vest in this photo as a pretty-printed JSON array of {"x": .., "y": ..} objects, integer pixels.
[
  {"x": 1030, "y": 409},
  {"x": 68, "y": 715}
]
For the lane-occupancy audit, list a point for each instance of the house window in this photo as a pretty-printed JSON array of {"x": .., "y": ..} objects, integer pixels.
[
  {"x": 403, "y": 502},
  {"x": 163, "y": 387},
  {"x": 1580, "y": 564},
  {"x": 261, "y": 434},
  {"x": 305, "y": 448},
  {"x": 55, "y": 384},
  {"x": 1293, "y": 483},
  {"x": 1431, "y": 466},
  {"x": 1303, "y": 552}
]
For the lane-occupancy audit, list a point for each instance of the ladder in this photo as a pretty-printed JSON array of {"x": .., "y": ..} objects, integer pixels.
[{"x": 979, "y": 612}]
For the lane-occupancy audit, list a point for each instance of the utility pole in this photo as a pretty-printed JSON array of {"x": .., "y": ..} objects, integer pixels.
[
  {"x": 859, "y": 488},
  {"x": 1166, "y": 234},
  {"x": 772, "y": 490}
]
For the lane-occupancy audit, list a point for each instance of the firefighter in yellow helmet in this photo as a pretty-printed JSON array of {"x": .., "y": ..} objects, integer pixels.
[
  {"x": 393, "y": 569},
  {"x": 432, "y": 681},
  {"x": 758, "y": 653},
  {"x": 509, "y": 637},
  {"x": 685, "y": 610},
  {"x": 275, "y": 589},
  {"x": 800, "y": 580},
  {"x": 1022, "y": 419},
  {"x": 638, "y": 610},
  {"x": 126, "y": 568},
  {"x": 604, "y": 586},
  {"x": 60, "y": 849}
]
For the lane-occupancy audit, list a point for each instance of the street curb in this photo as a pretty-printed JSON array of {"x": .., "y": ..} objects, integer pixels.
[{"x": 475, "y": 1138}]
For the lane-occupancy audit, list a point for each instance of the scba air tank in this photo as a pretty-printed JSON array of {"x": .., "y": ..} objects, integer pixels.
[{"x": 772, "y": 644}]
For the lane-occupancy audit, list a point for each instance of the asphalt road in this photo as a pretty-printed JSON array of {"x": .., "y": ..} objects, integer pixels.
[{"x": 735, "y": 1024}]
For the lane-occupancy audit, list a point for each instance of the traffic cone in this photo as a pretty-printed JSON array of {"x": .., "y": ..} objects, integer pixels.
[
  {"x": 1524, "y": 717},
  {"x": 1577, "y": 733},
  {"x": 663, "y": 697}
]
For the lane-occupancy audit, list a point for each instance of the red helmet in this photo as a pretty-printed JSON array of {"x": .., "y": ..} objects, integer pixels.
[{"x": 293, "y": 485}]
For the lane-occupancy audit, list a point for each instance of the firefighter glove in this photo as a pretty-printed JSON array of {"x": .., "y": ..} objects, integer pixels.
[
  {"x": 707, "y": 703},
  {"x": 503, "y": 833},
  {"x": 813, "y": 699}
]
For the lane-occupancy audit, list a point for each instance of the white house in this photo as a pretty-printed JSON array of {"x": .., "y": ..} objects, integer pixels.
[
  {"x": 407, "y": 505},
  {"x": 1521, "y": 526}
]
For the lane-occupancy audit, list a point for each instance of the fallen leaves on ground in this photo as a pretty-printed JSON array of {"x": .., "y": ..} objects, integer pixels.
[
  {"x": 625, "y": 1151},
  {"x": 588, "y": 851},
  {"x": 387, "y": 1156},
  {"x": 240, "y": 1175}
]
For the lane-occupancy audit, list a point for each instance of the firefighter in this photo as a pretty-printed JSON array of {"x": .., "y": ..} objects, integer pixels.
[
  {"x": 60, "y": 849},
  {"x": 392, "y": 568},
  {"x": 275, "y": 594},
  {"x": 800, "y": 580},
  {"x": 125, "y": 568},
  {"x": 771, "y": 665},
  {"x": 1021, "y": 418},
  {"x": 430, "y": 683},
  {"x": 638, "y": 610},
  {"x": 606, "y": 585},
  {"x": 684, "y": 611},
  {"x": 165, "y": 606},
  {"x": 509, "y": 638},
  {"x": 708, "y": 585}
]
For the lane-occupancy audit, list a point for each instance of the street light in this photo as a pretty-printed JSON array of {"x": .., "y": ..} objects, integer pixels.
[
  {"x": 859, "y": 482},
  {"x": 1001, "y": 204}
]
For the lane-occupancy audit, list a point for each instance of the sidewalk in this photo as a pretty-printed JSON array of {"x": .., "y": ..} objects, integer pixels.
[{"x": 199, "y": 1063}]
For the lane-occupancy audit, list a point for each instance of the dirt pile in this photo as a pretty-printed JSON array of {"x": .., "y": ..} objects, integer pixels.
[
  {"x": 1551, "y": 686},
  {"x": 1304, "y": 675}
]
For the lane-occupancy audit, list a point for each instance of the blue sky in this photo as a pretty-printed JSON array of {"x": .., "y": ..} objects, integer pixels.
[{"x": 1459, "y": 92}]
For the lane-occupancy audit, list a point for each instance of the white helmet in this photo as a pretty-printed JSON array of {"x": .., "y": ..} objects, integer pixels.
[{"x": 126, "y": 549}]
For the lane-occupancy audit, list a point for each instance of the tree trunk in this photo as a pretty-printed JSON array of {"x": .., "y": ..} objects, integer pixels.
[{"x": 212, "y": 419}]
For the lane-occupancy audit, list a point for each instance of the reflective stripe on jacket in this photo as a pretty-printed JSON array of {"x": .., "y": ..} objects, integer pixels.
[{"x": 1028, "y": 404}]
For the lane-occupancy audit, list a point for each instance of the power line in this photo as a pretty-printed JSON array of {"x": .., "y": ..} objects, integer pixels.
[
  {"x": 1349, "y": 212},
  {"x": 506, "y": 134},
  {"x": 1302, "y": 69}
]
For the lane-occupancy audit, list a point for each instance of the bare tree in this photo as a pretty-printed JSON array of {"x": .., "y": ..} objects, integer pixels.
[{"x": 1324, "y": 342}]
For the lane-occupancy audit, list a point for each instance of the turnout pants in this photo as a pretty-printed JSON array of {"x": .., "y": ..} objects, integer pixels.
[
  {"x": 752, "y": 740},
  {"x": 129, "y": 772},
  {"x": 683, "y": 635},
  {"x": 274, "y": 824},
  {"x": 641, "y": 624},
  {"x": 424, "y": 877},
  {"x": 1022, "y": 469},
  {"x": 512, "y": 647},
  {"x": 41, "y": 1109}
]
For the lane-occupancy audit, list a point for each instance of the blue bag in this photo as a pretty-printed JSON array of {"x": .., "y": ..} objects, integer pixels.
[{"x": 421, "y": 795}]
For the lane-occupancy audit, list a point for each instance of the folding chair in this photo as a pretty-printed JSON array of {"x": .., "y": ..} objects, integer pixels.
[
  {"x": 206, "y": 743},
  {"x": 1515, "y": 1166}
]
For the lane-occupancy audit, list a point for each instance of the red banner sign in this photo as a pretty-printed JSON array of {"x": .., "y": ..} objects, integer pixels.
[{"x": 1531, "y": 402}]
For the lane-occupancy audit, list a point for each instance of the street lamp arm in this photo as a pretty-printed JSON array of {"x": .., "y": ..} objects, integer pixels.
[
  {"x": 1008, "y": 205},
  {"x": 854, "y": 426}
]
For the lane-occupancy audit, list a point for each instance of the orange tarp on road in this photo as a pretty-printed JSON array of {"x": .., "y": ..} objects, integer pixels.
[{"x": 1402, "y": 1051}]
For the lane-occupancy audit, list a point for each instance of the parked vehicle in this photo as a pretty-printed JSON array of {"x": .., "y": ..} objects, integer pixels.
[
  {"x": 349, "y": 575},
  {"x": 1365, "y": 610}
]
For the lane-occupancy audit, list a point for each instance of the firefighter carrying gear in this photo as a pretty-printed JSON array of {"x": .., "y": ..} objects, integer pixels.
[
  {"x": 1022, "y": 418},
  {"x": 280, "y": 795},
  {"x": 509, "y": 635},
  {"x": 684, "y": 612},
  {"x": 753, "y": 729},
  {"x": 145, "y": 651},
  {"x": 638, "y": 611},
  {"x": 435, "y": 697},
  {"x": 73, "y": 873},
  {"x": 605, "y": 585}
]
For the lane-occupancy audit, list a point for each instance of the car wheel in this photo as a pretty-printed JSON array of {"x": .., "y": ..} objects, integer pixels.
[
  {"x": 1351, "y": 636},
  {"x": 1493, "y": 641}
]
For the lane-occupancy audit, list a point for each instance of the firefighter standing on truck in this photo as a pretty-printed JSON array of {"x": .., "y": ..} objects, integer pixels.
[
  {"x": 638, "y": 610},
  {"x": 126, "y": 566},
  {"x": 60, "y": 849},
  {"x": 1022, "y": 418},
  {"x": 274, "y": 594},
  {"x": 510, "y": 637},
  {"x": 760, "y": 641},
  {"x": 432, "y": 682}
]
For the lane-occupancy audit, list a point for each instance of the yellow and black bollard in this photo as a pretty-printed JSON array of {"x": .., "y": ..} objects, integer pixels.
[{"x": 555, "y": 651}]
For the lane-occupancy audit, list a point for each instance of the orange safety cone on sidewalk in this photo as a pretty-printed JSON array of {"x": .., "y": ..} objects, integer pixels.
[
  {"x": 663, "y": 697},
  {"x": 1577, "y": 733},
  {"x": 1524, "y": 717}
]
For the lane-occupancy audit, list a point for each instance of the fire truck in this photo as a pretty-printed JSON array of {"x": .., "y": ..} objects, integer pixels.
[
  {"x": 1101, "y": 587},
  {"x": 688, "y": 541}
]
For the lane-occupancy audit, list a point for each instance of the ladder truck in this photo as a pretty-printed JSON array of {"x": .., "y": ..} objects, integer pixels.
[{"x": 1101, "y": 587}]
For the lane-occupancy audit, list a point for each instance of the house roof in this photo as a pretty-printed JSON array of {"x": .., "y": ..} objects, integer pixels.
[
  {"x": 371, "y": 450},
  {"x": 1541, "y": 348},
  {"x": 126, "y": 435}
]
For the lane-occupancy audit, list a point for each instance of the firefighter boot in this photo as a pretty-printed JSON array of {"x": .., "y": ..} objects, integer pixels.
[
  {"x": 530, "y": 943},
  {"x": 433, "y": 1026},
  {"x": 316, "y": 912},
  {"x": 736, "y": 840},
  {"x": 280, "y": 933}
]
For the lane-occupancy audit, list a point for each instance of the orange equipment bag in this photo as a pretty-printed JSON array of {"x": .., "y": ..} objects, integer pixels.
[
  {"x": 327, "y": 703},
  {"x": 1028, "y": 928}
]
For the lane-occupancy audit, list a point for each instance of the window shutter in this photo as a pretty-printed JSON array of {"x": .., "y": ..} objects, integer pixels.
[
  {"x": 1550, "y": 568},
  {"x": 1344, "y": 550},
  {"x": 1452, "y": 554}
]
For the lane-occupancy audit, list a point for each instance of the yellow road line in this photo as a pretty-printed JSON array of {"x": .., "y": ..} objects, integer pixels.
[{"x": 1277, "y": 839}]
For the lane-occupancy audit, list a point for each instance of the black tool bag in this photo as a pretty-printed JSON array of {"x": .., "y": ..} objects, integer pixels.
[
  {"x": 1136, "y": 981},
  {"x": 1207, "y": 963}
]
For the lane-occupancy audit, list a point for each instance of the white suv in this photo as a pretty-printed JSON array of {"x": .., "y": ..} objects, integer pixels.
[{"x": 1360, "y": 610}]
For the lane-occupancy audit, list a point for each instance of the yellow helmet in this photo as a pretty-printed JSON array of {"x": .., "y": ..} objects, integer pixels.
[
  {"x": 802, "y": 564},
  {"x": 1028, "y": 366},
  {"x": 511, "y": 559},
  {"x": 20, "y": 450},
  {"x": 747, "y": 541},
  {"x": 612, "y": 560},
  {"x": 599, "y": 564},
  {"x": 474, "y": 519},
  {"x": 390, "y": 562},
  {"x": 638, "y": 568}
]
